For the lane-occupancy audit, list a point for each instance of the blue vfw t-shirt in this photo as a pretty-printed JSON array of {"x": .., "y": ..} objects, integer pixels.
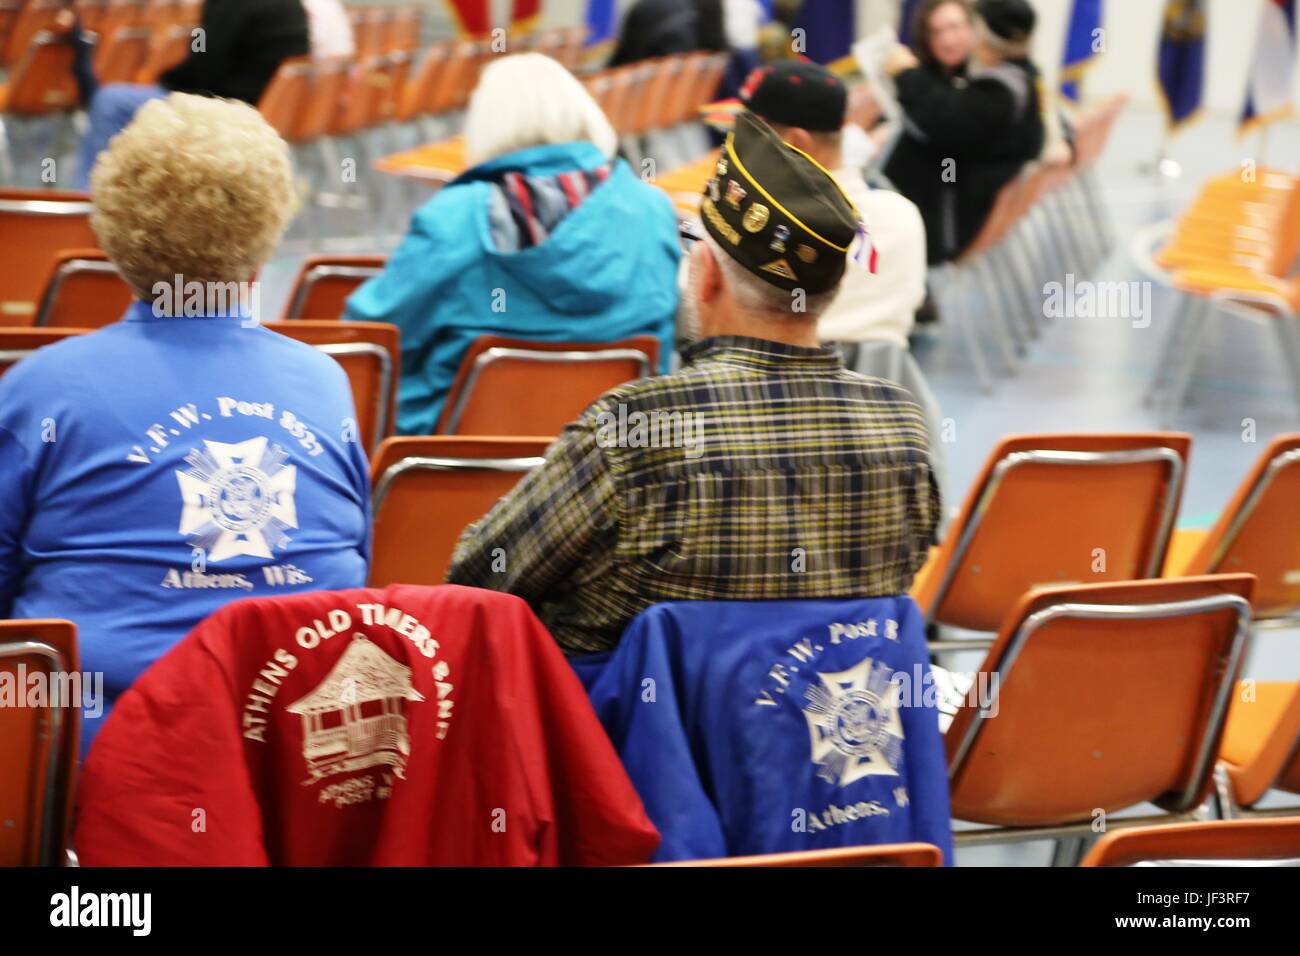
[{"x": 154, "y": 470}]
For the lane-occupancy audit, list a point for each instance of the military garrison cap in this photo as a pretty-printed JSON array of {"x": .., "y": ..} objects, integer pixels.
[{"x": 777, "y": 212}]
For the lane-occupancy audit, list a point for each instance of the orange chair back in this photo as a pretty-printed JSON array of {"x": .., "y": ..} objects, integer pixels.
[
  {"x": 1261, "y": 744},
  {"x": 324, "y": 283},
  {"x": 328, "y": 82},
  {"x": 896, "y": 854},
  {"x": 370, "y": 353},
  {"x": 1054, "y": 510},
  {"x": 41, "y": 82},
  {"x": 427, "y": 490},
  {"x": 122, "y": 56},
  {"x": 83, "y": 291},
  {"x": 285, "y": 96},
  {"x": 35, "y": 224},
  {"x": 418, "y": 96},
  {"x": 170, "y": 46},
  {"x": 516, "y": 387},
  {"x": 1099, "y": 698},
  {"x": 38, "y": 744},
  {"x": 32, "y": 17},
  {"x": 1225, "y": 840},
  {"x": 1259, "y": 531}
]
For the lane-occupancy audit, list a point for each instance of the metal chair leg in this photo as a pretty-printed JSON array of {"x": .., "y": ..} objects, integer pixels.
[{"x": 1181, "y": 379}]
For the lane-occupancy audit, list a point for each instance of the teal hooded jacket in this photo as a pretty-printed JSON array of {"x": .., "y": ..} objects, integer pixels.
[{"x": 607, "y": 271}]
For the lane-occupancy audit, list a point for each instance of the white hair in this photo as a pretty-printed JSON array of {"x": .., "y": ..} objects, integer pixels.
[
  {"x": 760, "y": 297},
  {"x": 528, "y": 99}
]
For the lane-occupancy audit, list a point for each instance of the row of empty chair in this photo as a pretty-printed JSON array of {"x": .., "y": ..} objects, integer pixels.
[
  {"x": 640, "y": 99},
  {"x": 1235, "y": 249}
]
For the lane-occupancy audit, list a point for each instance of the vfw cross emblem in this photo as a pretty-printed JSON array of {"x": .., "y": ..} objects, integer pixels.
[
  {"x": 853, "y": 723},
  {"x": 238, "y": 498}
]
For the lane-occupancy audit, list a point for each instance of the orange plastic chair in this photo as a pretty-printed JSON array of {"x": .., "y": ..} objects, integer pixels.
[
  {"x": 83, "y": 291},
  {"x": 1098, "y": 697},
  {"x": 1261, "y": 748},
  {"x": 323, "y": 284},
  {"x": 170, "y": 46},
  {"x": 122, "y": 55},
  {"x": 285, "y": 96},
  {"x": 328, "y": 81},
  {"x": 896, "y": 854},
  {"x": 369, "y": 353},
  {"x": 35, "y": 224},
  {"x": 120, "y": 14},
  {"x": 9, "y": 13},
  {"x": 1049, "y": 510},
  {"x": 41, "y": 82},
  {"x": 1258, "y": 532},
  {"x": 418, "y": 95},
  {"x": 427, "y": 490},
  {"x": 39, "y": 744},
  {"x": 33, "y": 17},
  {"x": 1225, "y": 841},
  {"x": 517, "y": 387}
]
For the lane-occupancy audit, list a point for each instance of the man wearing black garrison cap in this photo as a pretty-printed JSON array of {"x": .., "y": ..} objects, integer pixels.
[
  {"x": 874, "y": 311},
  {"x": 774, "y": 472}
]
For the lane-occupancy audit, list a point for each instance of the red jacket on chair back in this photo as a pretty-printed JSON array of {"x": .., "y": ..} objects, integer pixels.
[{"x": 396, "y": 726}]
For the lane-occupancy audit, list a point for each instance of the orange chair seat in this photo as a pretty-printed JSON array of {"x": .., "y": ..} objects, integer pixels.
[
  {"x": 1184, "y": 543},
  {"x": 1260, "y": 736}
]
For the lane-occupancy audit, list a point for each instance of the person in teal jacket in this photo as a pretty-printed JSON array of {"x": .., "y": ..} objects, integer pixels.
[{"x": 544, "y": 238}]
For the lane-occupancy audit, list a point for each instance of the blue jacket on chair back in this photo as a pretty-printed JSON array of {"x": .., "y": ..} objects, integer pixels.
[{"x": 775, "y": 726}]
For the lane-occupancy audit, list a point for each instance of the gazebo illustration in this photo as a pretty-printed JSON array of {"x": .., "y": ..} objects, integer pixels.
[{"x": 355, "y": 717}]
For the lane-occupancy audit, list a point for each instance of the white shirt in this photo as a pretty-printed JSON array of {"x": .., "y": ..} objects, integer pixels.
[
  {"x": 880, "y": 306},
  {"x": 331, "y": 30}
]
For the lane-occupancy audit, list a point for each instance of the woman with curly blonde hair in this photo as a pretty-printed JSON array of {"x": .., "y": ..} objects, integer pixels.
[{"x": 186, "y": 456}]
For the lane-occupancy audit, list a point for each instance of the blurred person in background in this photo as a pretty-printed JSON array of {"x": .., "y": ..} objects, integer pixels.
[
  {"x": 548, "y": 237},
  {"x": 966, "y": 137},
  {"x": 238, "y": 46},
  {"x": 330, "y": 29},
  {"x": 182, "y": 458},
  {"x": 653, "y": 28}
]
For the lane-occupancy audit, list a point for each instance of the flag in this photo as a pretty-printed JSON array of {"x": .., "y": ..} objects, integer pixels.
[
  {"x": 473, "y": 17},
  {"x": 602, "y": 21},
  {"x": 1081, "y": 45},
  {"x": 525, "y": 14},
  {"x": 1272, "y": 71},
  {"x": 825, "y": 30},
  {"x": 1180, "y": 59},
  {"x": 906, "y": 17}
]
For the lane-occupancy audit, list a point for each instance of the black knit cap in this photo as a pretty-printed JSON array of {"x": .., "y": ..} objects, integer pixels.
[
  {"x": 1010, "y": 19},
  {"x": 797, "y": 93},
  {"x": 777, "y": 212}
]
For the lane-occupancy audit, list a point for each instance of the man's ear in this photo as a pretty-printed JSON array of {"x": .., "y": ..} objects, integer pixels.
[
  {"x": 710, "y": 273},
  {"x": 800, "y": 139}
]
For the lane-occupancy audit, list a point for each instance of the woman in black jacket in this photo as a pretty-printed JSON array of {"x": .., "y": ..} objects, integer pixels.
[{"x": 967, "y": 133}]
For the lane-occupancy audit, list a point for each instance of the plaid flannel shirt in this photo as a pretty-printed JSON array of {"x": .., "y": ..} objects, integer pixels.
[{"x": 758, "y": 471}]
